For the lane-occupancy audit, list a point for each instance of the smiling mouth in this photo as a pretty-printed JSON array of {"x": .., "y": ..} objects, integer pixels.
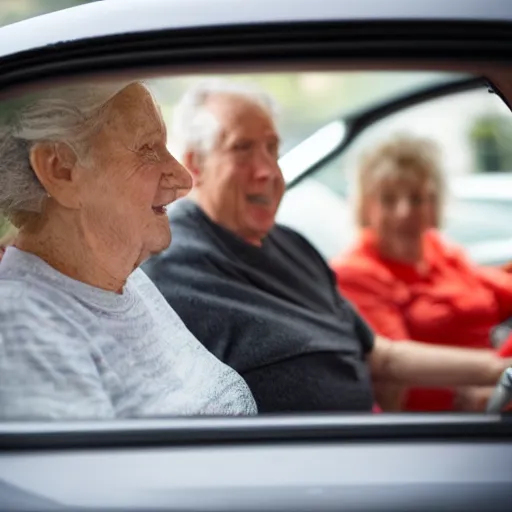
[{"x": 159, "y": 210}]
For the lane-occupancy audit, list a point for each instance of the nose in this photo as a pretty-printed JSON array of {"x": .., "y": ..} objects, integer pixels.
[
  {"x": 177, "y": 177},
  {"x": 266, "y": 167},
  {"x": 403, "y": 208}
]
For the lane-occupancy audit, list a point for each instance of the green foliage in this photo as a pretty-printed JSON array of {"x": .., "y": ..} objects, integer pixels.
[
  {"x": 17, "y": 10},
  {"x": 491, "y": 125},
  {"x": 490, "y": 137},
  {"x": 4, "y": 226}
]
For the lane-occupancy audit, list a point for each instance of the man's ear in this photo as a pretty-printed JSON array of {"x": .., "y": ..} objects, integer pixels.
[
  {"x": 54, "y": 165},
  {"x": 192, "y": 162}
]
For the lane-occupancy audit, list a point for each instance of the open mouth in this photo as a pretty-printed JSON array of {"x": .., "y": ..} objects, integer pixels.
[
  {"x": 159, "y": 210},
  {"x": 259, "y": 199}
]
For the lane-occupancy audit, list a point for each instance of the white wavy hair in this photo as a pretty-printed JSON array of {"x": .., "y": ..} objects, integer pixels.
[
  {"x": 65, "y": 114},
  {"x": 195, "y": 128}
]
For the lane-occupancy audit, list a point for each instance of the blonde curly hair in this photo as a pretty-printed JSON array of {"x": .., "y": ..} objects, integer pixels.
[{"x": 401, "y": 156}]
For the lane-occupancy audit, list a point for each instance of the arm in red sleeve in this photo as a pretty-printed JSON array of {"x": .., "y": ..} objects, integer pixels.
[
  {"x": 500, "y": 283},
  {"x": 495, "y": 279},
  {"x": 370, "y": 296}
]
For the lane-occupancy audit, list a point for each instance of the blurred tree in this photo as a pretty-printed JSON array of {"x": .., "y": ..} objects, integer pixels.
[
  {"x": 4, "y": 226},
  {"x": 12, "y": 11},
  {"x": 490, "y": 137}
]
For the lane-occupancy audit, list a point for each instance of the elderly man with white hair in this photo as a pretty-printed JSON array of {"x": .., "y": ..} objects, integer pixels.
[
  {"x": 85, "y": 175},
  {"x": 268, "y": 301}
]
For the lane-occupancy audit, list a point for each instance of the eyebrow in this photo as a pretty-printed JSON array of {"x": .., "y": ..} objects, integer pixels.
[
  {"x": 154, "y": 134},
  {"x": 236, "y": 136},
  {"x": 150, "y": 134}
]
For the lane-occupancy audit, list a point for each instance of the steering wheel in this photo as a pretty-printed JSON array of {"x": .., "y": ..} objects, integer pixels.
[{"x": 502, "y": 395}]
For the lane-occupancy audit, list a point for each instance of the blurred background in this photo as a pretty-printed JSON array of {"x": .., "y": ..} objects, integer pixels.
[
  {"x": 12, "y": 11},
  {"x": 473, "y": 130},
  {"x": 310, "y": 100}
]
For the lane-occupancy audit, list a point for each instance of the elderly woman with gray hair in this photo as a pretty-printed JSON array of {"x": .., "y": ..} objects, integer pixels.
[
  {"x": 85, "y": 176},
  {"x": 405, "y": 279}
]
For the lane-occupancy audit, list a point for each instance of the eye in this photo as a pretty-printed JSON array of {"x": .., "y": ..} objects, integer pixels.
[
  {"x": 273, "y": 148},
  {"x": 388, "y": 200},
  {"x": 243, "y": 145},
  {"x": 149, "y": 151},
  {"x": 416, "y": 199}
]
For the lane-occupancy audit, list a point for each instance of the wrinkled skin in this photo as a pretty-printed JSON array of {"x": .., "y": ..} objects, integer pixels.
[{"x": 105, "y": 214}]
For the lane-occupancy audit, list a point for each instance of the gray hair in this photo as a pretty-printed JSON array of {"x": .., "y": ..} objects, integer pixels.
[
  {"x": 194, "y": 128},
  {"x": 65, "y": 114}
]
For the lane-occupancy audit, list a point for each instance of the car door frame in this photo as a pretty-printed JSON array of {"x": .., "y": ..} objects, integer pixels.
[{"x": 407, "y": 45}]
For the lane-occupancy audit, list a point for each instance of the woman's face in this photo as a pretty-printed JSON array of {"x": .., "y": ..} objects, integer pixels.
[
  {"x": 399, "y": 209},
  {"x": 130, "y": 178}
]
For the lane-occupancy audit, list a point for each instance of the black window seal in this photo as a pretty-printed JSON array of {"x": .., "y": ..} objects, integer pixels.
[{"x": 264, "y": 429}]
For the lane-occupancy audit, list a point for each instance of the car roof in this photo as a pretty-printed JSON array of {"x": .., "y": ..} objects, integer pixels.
[{"x": 116, "y": 17}]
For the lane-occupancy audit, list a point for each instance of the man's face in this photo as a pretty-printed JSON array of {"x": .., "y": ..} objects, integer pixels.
[{"x": 239, "y": 182}]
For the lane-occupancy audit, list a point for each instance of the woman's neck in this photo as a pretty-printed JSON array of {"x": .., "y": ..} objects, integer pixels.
[
  {"x": 411, "y": 257},
  {"x": 64, "y": 247},
  {"x": 408, "y": 253}
]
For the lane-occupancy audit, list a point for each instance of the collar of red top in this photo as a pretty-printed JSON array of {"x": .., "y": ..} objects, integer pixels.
[{"x": 432, "y": 251}]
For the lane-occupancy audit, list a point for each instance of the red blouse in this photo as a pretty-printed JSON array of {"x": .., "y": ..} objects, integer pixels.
[
  {"x": 506, "y": 349},
  {"x": 450, "y": 302}
]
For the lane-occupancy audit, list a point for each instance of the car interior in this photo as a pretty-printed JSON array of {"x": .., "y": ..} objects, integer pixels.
[
  {"x": 333, "y": 106},
  {"x": 317, "y": 203}
]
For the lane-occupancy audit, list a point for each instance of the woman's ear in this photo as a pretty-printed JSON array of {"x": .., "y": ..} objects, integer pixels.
[{"x": 54, "y": 165}]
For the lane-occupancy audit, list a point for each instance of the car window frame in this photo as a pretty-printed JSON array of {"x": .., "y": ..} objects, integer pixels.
[{"x": 252, "y": 48}]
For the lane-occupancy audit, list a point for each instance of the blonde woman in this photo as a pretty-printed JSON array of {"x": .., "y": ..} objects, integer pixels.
[{"x": 405, "y": 279}]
